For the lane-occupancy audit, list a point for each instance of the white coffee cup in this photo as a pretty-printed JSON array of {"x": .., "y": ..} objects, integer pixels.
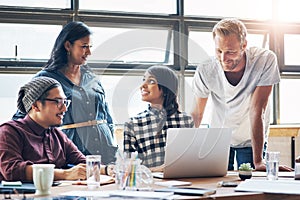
[{"x": 43, "y": 175}]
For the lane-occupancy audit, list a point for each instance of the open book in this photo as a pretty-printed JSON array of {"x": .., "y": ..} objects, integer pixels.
[{"x": 23, "y": 188}]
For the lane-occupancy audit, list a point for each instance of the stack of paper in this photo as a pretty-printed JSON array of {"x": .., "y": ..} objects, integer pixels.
[
  {"x": 267, "y": 186},
  {"x": 142, "y": 194},
  {"x": 104, "y": 179},
  {"x": 172, "y": 183},
  {"x": 121, "y": 193},
  {"x": 264, "y": 174}
]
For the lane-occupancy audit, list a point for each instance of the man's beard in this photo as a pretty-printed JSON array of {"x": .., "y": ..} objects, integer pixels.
[{"x": 235, "y": 63}]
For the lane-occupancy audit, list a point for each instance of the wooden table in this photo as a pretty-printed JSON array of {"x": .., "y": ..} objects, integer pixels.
[
  {"x": 221, "y": 192},
  {"x": 291, "y": 131}
]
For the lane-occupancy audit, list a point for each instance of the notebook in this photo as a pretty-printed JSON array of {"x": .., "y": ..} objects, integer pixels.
[
  {"x": 196, "y": 152},
  {"x": 24, "y": 188}
]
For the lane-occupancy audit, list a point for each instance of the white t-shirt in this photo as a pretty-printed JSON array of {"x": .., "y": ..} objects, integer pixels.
[{"x": 231, "y": 104}]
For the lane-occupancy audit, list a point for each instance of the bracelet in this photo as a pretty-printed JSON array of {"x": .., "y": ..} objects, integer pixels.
[{"x": 106, "y": 170}]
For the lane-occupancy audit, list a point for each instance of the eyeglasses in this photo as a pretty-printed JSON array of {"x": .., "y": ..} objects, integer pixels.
[{"x": 60, "y": 102}]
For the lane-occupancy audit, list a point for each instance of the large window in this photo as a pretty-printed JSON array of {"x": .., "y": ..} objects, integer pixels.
[
  {"x": 27, "y": 41},
  {"x": 246, "y": 9},
  {"x": 201, "y": 44},
  {"x": 10, "y": 85},
  {"x": 39, "y": 3},
  {"x": 289, "y": 101},
  {"x": 125, "y": 45},
  {"x": 288, "y": 10},
  {"x": 131, "y": 34},
  {"x": 142, "y": 6},
  {"x": 291, "y": 54}
]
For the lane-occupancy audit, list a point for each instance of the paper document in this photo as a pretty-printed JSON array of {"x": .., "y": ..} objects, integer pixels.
[
  {"x": 267, "y": 186},
  {"x": 173, "y": 183},
  {"x": 142, "y": 194},
  {"x": 189, "y": 191},
  {"x": 104, "y": 179},
  {"x": 23, "y": 188},
  {"x": 11, "y": 183},
  {"x": 280, "y": 174},
  {"x": 87, "y": 193},
  {"x": 263, "y": 174},
  {"x": 121, "y": 193}
]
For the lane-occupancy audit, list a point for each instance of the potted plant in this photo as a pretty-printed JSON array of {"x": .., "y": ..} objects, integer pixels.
[{"x": 245, "y": 171}]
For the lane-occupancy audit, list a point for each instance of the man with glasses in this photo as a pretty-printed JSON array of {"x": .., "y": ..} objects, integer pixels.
[
  {"x": 37, "y": 138},
  {"x": 59, "y": 102}
]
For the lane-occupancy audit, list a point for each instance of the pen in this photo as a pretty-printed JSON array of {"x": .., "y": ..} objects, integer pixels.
[{"x": 70, "y": 165}]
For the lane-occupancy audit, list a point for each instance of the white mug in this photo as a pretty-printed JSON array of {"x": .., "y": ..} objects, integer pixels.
[{"x": 43, "y": 175}]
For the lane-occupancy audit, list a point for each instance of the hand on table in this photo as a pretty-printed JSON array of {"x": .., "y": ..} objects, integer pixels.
[
  {"x": 262, "y": 167},
  {"x": 77, "y": 172},
  {"x": 285, "y": 168}
]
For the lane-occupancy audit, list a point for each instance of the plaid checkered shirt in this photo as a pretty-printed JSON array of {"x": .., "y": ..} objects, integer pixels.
[{"x": 146, "y": 133}]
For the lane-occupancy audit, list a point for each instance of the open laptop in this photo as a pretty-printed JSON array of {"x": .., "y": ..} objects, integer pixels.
[{"x": 196, "y": 152}]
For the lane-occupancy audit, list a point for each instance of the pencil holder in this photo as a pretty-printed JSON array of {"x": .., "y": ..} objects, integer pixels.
[{"x": 131, "y": 175}]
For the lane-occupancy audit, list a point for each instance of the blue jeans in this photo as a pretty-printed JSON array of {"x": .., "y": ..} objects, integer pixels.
[{"x": 243, "y": 155}]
